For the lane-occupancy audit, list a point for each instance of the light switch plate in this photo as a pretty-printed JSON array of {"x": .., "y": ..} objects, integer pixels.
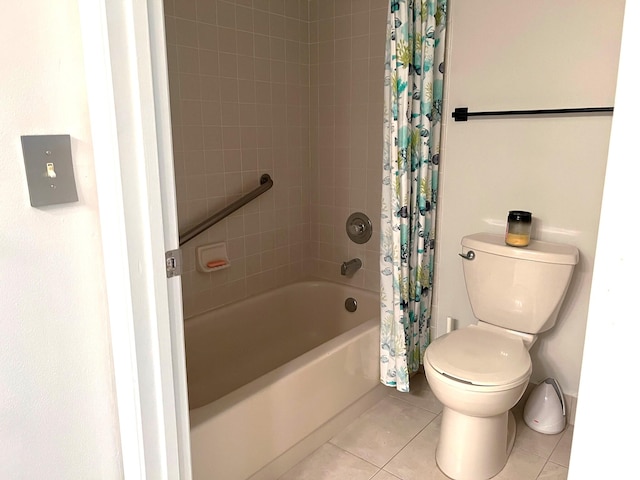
[{"x": 49, "y": 167}]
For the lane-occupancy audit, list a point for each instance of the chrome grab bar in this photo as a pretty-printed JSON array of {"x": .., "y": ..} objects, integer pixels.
[{"x": 265, "y": 184}]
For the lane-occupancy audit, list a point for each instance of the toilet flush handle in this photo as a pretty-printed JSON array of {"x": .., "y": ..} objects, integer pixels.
[{"x": 470, "y": 255}]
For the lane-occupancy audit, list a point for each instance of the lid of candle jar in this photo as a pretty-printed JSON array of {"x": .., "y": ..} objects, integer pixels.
[{"x": 519, "y": 216}]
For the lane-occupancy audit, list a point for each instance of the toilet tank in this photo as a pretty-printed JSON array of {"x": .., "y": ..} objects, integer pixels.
[{"x": 519, "y": 288}]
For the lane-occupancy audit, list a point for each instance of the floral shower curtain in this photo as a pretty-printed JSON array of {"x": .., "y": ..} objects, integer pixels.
[{"x": 414, "y": 67}]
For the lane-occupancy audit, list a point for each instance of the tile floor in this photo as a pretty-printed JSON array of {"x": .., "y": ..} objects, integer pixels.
[{"x": 396, "y": 440}]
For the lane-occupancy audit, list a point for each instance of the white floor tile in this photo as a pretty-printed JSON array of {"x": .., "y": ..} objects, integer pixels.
[
  {"x": 562, "y": 452},
  {"x": 552, "y": 471},
  {"x": 420, "y": 394},
  {"x": 331, "y": 463},
  {"x": 397, "y": 439},
  {"x": 417, "y": 461},
  {"x": 534, "y": 442},
  {"x": 382, "y": 475},
  {"x": 522, "y": 465},
  {"x": 381, "y": 432}
]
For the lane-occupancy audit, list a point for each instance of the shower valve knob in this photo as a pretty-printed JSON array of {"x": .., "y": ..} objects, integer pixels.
[{"x": 358, "y": 227}]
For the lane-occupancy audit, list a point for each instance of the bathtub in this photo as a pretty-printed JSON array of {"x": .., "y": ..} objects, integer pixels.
[{"x": 272, "y": 372}]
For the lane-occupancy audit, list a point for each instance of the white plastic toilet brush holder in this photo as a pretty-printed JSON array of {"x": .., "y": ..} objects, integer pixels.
[{"x": 545, "y": 410}]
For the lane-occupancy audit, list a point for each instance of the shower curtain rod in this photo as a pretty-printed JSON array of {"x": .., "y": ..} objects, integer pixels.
[
  {"x": 265, "y": 184},
  {"x": 462, "y": 114}
]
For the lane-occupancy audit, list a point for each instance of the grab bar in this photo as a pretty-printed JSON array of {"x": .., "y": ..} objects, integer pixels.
[{"x": 265, "y": 184}]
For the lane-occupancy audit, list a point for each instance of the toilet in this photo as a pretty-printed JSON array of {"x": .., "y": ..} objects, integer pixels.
[{"x": 480, "y": 372}]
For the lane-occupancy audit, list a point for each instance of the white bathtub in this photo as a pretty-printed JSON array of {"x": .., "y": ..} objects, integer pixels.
[{"x": 268, "y": 372}]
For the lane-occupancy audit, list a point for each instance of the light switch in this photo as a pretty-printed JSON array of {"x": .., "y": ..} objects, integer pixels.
[{"x": 47, "y": 160}]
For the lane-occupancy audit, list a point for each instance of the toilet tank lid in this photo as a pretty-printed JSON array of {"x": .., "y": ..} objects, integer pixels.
[{"x": 536, "y": 251}]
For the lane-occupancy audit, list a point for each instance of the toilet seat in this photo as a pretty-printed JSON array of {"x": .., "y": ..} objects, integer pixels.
[{"x": 476, "y": 356}]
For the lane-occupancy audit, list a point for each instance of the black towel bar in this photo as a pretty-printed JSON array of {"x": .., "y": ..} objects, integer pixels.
[{"x": 462, "y": 114}]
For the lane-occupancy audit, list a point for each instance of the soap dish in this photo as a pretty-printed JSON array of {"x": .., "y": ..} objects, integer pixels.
[{"x": 213, "y": 257}]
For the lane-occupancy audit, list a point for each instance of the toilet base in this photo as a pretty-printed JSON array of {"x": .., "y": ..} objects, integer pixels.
[{"x": 474, "y": 448}]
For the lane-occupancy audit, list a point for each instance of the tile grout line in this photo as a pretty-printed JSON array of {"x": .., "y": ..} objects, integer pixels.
[
  {"x": 353, "y": 455},
  {"x": 410, "y": 440},
  {"x": 401, "y": 449}
]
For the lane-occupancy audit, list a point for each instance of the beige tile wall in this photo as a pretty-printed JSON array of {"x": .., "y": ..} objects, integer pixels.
[
  {"x": 292, "y": 88},
  {"x": 347, "y": 67}
]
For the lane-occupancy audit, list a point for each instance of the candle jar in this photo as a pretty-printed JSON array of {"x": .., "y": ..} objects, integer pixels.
[{"x": 518, "y": 233}]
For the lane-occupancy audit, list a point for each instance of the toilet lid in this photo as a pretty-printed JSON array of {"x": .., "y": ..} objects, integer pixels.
[{"x": 480, "y": 357}]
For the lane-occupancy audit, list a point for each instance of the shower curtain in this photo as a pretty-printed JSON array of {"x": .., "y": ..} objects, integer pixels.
[{"x": 414, "y": 67}]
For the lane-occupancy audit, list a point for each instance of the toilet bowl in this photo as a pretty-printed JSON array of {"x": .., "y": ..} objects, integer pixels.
[
  {"x": 478, "y": 375},
  {"x": 481, "y": 371}
]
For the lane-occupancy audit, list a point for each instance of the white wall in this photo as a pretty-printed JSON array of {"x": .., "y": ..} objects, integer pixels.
[
  {"x": 606, "y": 416},
  {"x": 529, "y": 55},
  {"x": 57, "y": 410}
]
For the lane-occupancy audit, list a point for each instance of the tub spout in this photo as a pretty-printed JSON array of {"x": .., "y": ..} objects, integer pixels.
[{"x": 350, "y": 267}]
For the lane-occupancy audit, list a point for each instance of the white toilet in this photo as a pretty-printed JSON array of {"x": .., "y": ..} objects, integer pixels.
[{"x": 480, "y": 372}]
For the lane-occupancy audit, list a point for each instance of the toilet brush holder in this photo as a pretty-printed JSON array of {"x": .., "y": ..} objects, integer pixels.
[{"x": 545, "y": 410}]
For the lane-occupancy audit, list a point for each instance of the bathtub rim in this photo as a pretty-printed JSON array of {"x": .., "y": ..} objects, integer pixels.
[{"x": 255, "y": 298}]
